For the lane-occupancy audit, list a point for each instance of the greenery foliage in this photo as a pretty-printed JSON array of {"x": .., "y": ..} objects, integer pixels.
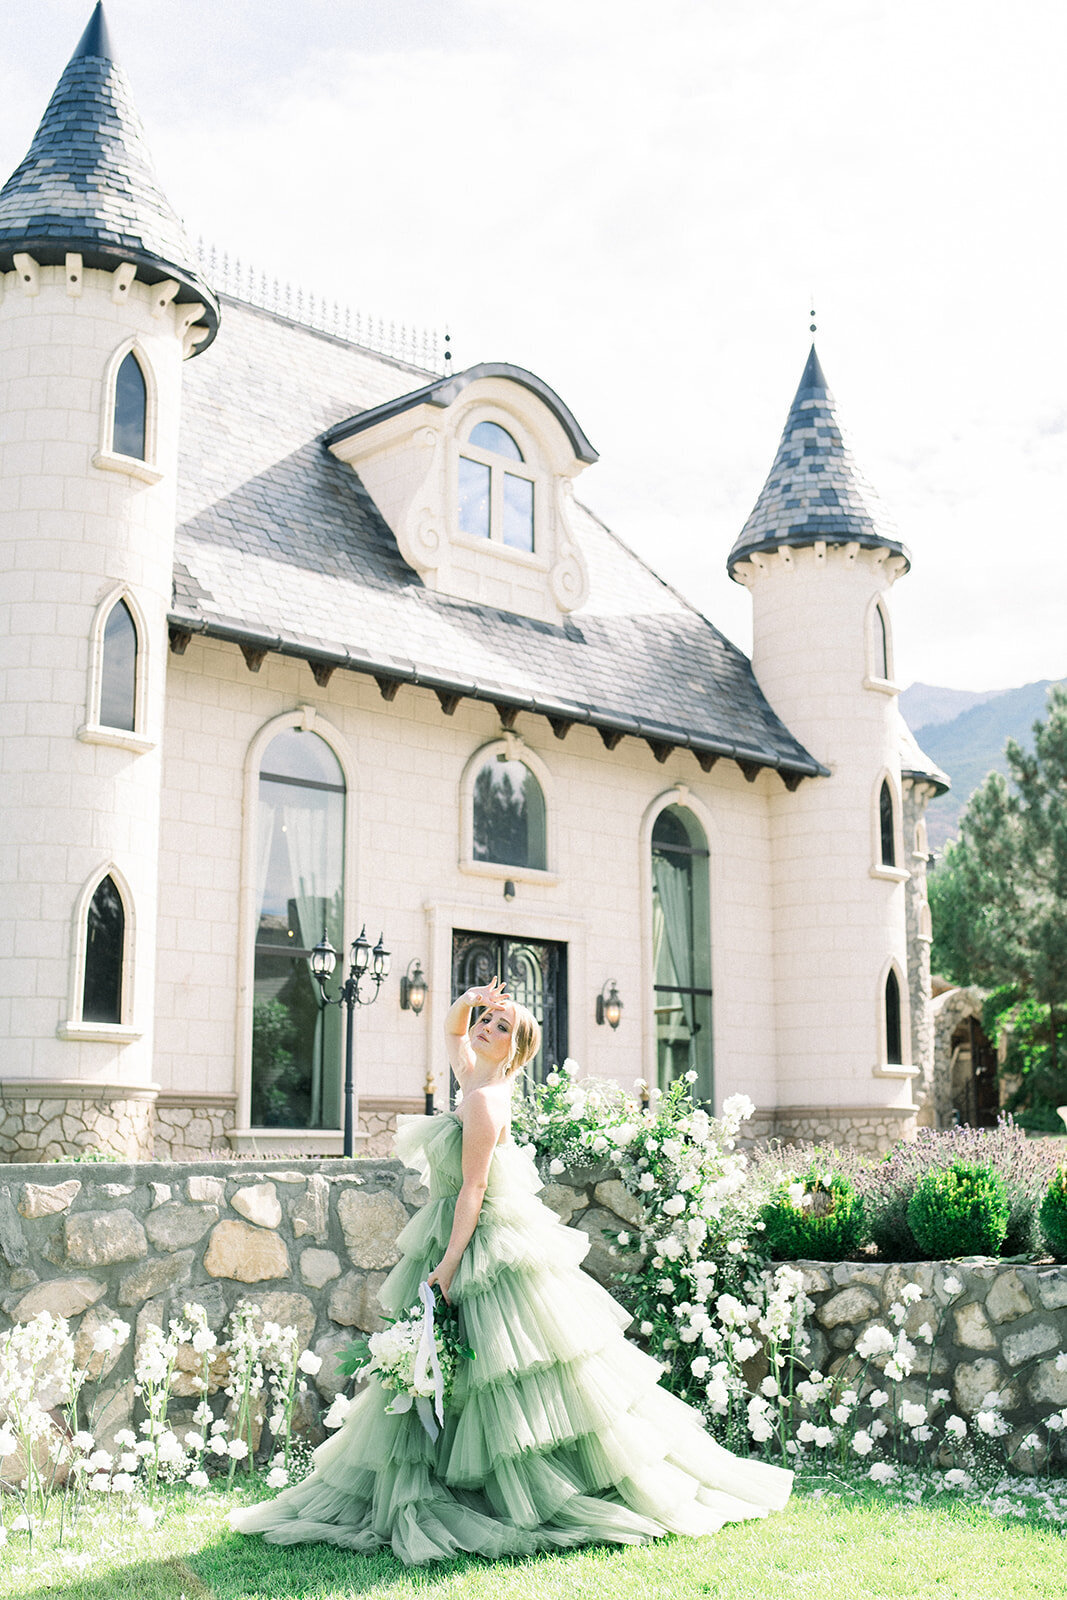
[
  {"x": 818, "y": 1218},
  {"x": 961, "y": 1210},
  {"x": 999, "y": 897},
  {"x": 888, "y": 1185},
  {"x": 1053, "y": 1214}
]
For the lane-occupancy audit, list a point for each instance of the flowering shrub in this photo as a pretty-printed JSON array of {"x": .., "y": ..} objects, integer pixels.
[
  {"x": 1053, "y": 1214},
  {"x": 728, "y": 1326},
  {"x": 817, "y": 1217},
  {"x": 888, "y": 1185},
  {"x": 61, "y": 1460},
  {"x": 959, "y": 1211},
  {"x": 703, "y": 1296}
]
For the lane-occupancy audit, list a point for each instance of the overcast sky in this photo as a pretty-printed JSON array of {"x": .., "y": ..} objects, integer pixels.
[{"x": 637, "y": 202}]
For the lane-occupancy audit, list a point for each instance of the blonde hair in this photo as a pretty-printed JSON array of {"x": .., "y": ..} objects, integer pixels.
[{"x": 525, "y": 1039}]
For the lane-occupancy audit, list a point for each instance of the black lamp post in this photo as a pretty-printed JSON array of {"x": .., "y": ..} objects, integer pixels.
[{"x": 368, "y": 965}]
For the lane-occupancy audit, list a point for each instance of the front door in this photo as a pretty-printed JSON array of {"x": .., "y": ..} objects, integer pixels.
[{"x": 535, "y": 972}]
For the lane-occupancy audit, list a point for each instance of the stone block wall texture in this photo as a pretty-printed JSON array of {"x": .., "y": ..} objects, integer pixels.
[
  {"x": 1001, "y": 1333},
  {"x": 309, "y": 1242}
]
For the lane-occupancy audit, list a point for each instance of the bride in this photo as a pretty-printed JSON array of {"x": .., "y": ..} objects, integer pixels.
[{"x": 558, "y": 1433}]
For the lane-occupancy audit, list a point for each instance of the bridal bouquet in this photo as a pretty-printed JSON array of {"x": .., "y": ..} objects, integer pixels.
[{"x": 415, "y": 1356}]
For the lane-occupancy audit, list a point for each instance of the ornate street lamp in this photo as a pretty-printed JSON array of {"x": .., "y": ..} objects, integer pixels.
[{"x": 370, "y": 965}]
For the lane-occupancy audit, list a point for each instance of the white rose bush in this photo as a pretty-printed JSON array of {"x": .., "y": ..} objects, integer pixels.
[{"x": 727, "y": 1324}]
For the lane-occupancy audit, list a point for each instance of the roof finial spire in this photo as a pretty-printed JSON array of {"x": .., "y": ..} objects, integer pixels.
[
  {"x": 811, "y": 314},
  {"x": 96, "y": 40}
]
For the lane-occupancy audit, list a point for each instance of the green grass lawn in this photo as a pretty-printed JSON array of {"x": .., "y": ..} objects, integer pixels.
[{"x": 854, "y": 1545}]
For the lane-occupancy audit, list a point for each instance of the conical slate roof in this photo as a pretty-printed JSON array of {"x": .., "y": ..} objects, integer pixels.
[
  {"x": 814, "y": 489},
  {"x": 87, "y": 184}
]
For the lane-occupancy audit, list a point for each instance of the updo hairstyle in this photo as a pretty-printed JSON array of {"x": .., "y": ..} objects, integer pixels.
[{"x": 525, "y": 1039}]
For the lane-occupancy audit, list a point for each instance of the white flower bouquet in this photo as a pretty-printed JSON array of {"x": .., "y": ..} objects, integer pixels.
[{"x": 416, "y": 1357}]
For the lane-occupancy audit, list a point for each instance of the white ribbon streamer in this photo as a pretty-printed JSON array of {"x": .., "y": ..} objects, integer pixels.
[{"x": 426, "y": 1362}]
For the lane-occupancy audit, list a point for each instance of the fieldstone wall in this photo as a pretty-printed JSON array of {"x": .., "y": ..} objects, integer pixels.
[
  {"x": 309, "y": 1242},
  {"x": 48, "y": 1124},
  {"x": 1001, "y": 1333},
  {"x": 870, "y": 1128}
]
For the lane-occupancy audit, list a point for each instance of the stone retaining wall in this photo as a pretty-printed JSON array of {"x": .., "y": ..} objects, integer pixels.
[
  {"x": 1001, "y": 1333},
  {"x": 311, "y": 1241}
]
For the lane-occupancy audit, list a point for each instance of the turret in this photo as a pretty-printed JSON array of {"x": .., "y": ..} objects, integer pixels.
[
  {"x": 100, "y": 301},
  {"x": 819, "y": 557}
]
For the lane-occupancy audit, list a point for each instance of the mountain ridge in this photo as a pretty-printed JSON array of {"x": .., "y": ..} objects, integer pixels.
[{"x": 970, "y": 743}]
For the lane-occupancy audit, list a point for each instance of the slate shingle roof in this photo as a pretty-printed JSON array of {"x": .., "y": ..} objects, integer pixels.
[
  {"x": 87, "y": 184},
  {"x": 814, "y": 489},
  {"x": 279, "y": 545}
]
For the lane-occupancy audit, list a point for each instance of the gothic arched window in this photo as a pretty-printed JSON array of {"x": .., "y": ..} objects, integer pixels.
[
  {"x": 105, "y": 939},
  {"x": 509, "y": 815},
  {"x": 496, "y": 491},
  {"x": 887, "y": 825},
  {"x": 681, "y": 950},
  {"x": 129, "y": 434},
  {"x": 894, "y": 1055},
  {"x": 118, "y": 670},
  {"x": 881, "y": 643},
  {"x": 300, "y": 832}
]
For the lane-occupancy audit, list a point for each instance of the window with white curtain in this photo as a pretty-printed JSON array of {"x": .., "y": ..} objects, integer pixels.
[
  {"x": 681, "y": 950},
  {"x": 296, "y": 1081}
]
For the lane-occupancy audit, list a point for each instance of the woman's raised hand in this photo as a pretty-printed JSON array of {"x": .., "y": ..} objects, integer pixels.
[{"x": 488, "y": 994}]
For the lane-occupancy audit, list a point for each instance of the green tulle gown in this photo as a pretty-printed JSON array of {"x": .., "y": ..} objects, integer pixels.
[{"x": 558, "y": 1434}]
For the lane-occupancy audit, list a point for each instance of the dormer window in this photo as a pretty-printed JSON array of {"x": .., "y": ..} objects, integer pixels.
[{"x": 496, "y": 492}]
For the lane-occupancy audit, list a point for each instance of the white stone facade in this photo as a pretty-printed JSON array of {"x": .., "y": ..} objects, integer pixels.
[{"x": 838, "y": 910}]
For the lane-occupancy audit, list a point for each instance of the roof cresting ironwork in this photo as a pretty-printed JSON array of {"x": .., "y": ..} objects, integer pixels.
[{"x": 424, "y": 348}]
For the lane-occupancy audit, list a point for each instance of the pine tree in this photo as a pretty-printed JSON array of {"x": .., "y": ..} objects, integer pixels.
[{"x": 999, "y": 897}]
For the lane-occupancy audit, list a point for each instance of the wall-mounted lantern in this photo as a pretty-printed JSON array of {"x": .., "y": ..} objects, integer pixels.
[
  {"x": 413, "y": 988},
  {"x": 608, "y": 1005}
]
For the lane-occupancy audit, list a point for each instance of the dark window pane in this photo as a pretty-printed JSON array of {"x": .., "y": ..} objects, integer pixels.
[
  {"x": 131, "y": 410},
  {"x": 894, "y": 1054},
  {"x": 881, "y": 642},
  {"x": 681, "y": 950},
  {"x": 509, "y": 815},
  {"x": 296, "y": 1047},
  {"x": 490, "y": 436},
  {"x": 518, "y": 512},
  {"x": 118, "y": 673},
  {"x": 473, "y": 498},
  {"x": 885, "y": 820},
  {"x": 104, "y": 936}
]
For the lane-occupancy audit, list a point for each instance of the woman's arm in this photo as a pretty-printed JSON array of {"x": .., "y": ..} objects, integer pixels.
[
  {"x": 457, "y": 1022},
  {"x": 481, "y": 1130}
]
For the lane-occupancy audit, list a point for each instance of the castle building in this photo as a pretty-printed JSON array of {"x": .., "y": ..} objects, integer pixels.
[{"x": 297, "y": 636}]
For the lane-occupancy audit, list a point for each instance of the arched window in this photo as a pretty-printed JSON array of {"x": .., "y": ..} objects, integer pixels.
[
  {"x": 105, "y": 938},
  {"x": 881, "y": 643},
  {"x": 886, "y": 825},
  {"x": 118, "y": 670},
  {"x": 509, "y": 815},
  {"x": 129, "y": 434},
  {"x": 681, "y": 950},
  {"x": 296, "y": 1081},
  {"x": 496, "y": 492},
  {"x": 894, "y": 1055}
]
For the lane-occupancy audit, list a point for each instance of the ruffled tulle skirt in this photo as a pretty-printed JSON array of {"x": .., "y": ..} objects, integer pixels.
[{"x": 557, "y": 1434}]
